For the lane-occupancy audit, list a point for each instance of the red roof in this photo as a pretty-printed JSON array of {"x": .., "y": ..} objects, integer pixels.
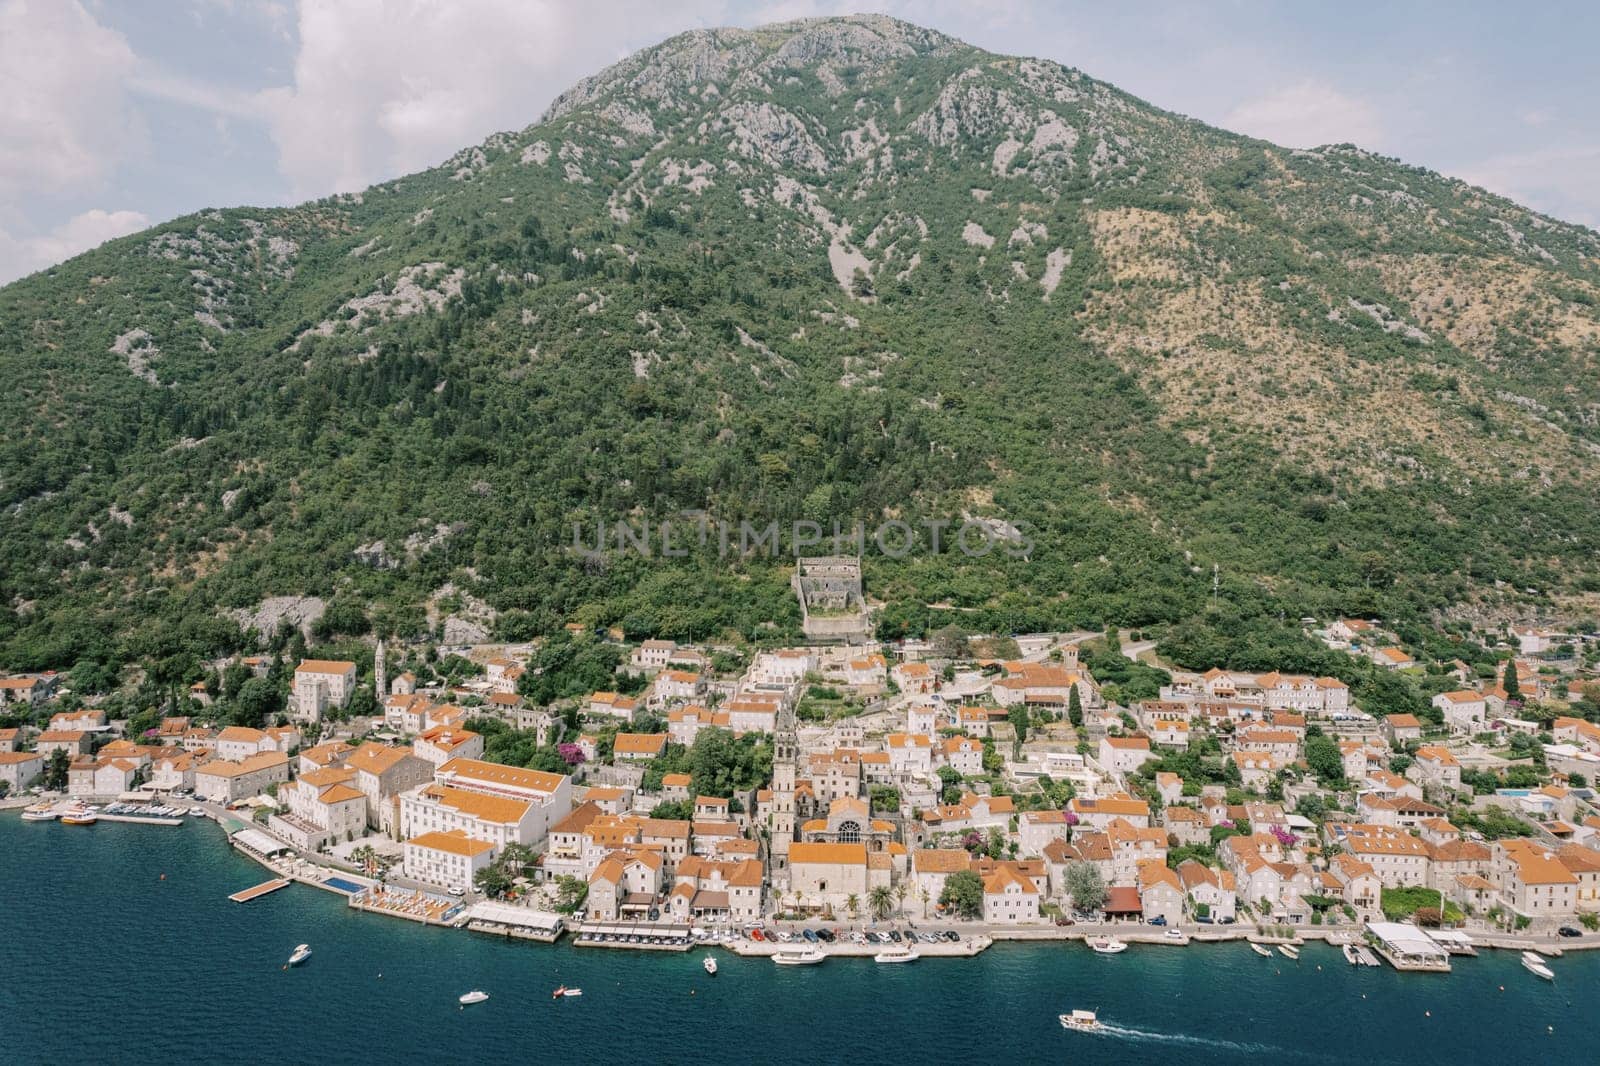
[{"x": 1123, "y": 900}]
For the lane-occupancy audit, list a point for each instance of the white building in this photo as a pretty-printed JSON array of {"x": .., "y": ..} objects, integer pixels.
[
  {"x": 449, "y": 860},
  {"x": 320, "y": 684}
]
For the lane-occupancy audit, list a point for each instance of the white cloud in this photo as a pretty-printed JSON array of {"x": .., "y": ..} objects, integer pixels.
[
  {"x": 20, "y": 256},
  {"x": 65, "y": 122},
  {"x": 382, "y": 89},
  {"x": 1308, "y": 114},
  {"x": 1558, "y": 181}
]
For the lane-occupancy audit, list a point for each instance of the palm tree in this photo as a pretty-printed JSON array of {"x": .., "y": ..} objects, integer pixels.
[
  {"x": 881, "y": 900},
  {"x": 366, "y": 858},
  {"x": 852, "y": 903},
  {"x": 900, "y": 892}
]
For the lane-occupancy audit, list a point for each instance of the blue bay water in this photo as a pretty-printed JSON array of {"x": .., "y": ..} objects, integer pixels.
[{"x": 102, "y": 961}]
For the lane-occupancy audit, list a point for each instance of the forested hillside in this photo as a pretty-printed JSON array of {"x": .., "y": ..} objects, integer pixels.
[{"x": 838, "y": 270}]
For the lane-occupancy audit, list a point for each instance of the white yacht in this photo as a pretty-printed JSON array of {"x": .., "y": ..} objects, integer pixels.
[
  {"x": 1265, "y": 953},
  {"x": 39, "y": 812},
  {"x": 1107, "y": 945},
  {"x": 301, "y": 954},
  {"x": 1084, "y": 1021},
  {"x": 803, "y": 957},
  {"x": 475, "y": 996},
  {"x": 898, "y": 953},
  {"x": 710, "y": 965},
  {"x": 1538, "y": 969},
  {"x": 1289, "y": 951}
]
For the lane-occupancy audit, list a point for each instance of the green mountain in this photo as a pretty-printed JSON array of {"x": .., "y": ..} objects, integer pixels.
[{"x": 842, "y": 269}]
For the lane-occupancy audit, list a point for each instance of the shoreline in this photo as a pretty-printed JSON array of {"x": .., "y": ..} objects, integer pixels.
[{"x": 969, "y": 946}]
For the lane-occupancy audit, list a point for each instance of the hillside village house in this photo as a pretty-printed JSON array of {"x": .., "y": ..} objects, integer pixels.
[
  {"x": 676, "y": 686},
  {"x": 320, "y": 684},
  {"x": 1122, "y": 755},
  {"x": 443, "y": 743},
  {"x": 174, "y": 770},
  {"x": 382, "y": 774},
  {"x": 638, "y": 747},
  {"x": 225, "y": 780},
  {"x": 449, "y": 860},
  {"x": 627, "y": 882},
  {"x": 101, "y": 778},
  {"x": 74, "y": 742},
  {"x": 1097, "y": 813},
  {"x": 652, "y": 655},
  {"x": 870, "y": 670},
  {"x": 1399, "y": 728},
  {"x": 1212, "y": 890},
  {"x": 324, "y": 807},
  {"x": 1009, "y": 898},
  {"x": 1161, "y": 892},
  {"x": 30, "y": 689},
  {"x": 1392, "y": 658},
  {"x": 1465, "y": 711},
  {"x": 19, "y": 769},
  {"x": 611, "y": 705},
  {"x": 240, "y": 742}
]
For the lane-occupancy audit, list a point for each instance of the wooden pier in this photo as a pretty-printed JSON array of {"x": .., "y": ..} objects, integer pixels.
[{"x": 260, "y": 890}]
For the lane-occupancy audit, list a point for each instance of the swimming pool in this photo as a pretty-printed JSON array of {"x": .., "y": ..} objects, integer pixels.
[{"x": 344, "y": 886}]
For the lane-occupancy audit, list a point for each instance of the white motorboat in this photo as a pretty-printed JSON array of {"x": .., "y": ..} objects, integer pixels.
[
  {"x": 40, "y": 812},
  {"x": 710, "y": 965},
  {"x": 1289, "y": 951},
  {"x": 301, "y": 954},
  {"x": 565, "y": 992},
  {"x": 1265, "y": 953},
  {"x": 475, "y": 996},
  {"x": 1538, "y": 969},
  {"x": 197, "y": 812},
  {"x": 80, "y": 814},
  {"x": 1350, "y": 955},
  {"x": 1084, "y": 1021},
  {"x": 1107, "y": 945},
  {"x": 805, "y": 957},
  {"x": 897, "y": 954},
  {"x": 1534, "y": 957}
]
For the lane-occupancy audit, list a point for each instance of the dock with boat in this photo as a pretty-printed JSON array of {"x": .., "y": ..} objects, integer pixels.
[{"x": 256, "y": 892}]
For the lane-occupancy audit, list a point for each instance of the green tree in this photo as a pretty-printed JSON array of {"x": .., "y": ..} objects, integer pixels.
[
  {"x": 1085, "y": 886},
  {"x": 963, "y": 894},
  {"x": 493, "y": 881},
  {"x": 1018, "y": 717},
  {"x": 1508, "y": 681},
  {"x": 570, "y": 893},
  {"x": 1323, "y": 756},
  {"x": 1075, "y": 708},
  {"x": 881, "y": 901},
  {"x": 55, "y": 770}
]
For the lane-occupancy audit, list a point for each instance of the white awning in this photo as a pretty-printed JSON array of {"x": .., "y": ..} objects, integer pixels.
[
  {"x": 260, "y": 842},
  {"x": 507, "y": 914}
]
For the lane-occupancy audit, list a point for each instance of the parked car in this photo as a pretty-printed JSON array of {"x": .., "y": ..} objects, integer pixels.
[
  {"x": 1569, "y": 930},
  {"x": 1159, "y": 919},
  {"x": 894, "y": 934},
  {"x": 810, "y": 935},
  {"x": 1062, "y": 919},
  {"x": 952, "y": 936}
]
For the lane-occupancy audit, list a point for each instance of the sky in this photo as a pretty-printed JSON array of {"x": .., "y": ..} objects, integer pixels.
[{"x": 118, "y": 114}]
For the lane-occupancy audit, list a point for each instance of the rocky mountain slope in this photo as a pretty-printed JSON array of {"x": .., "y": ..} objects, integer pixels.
[{"x": 835, "y": 269}]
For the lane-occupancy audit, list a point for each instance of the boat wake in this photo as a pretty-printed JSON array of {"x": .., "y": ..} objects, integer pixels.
[{"x": 1234, "y": 1046}]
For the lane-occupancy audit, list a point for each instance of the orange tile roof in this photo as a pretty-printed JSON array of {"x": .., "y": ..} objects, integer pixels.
[{"x": 455, "y": 842}]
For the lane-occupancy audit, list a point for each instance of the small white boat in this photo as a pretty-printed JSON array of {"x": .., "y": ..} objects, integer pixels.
[
  {"x": 1107, "y": 945},
  {"x": 1289, "y": 951},
  {"x": 1265, "y": 953},
  {"x": 569, "y": 992},
  {"x": 1538, "y": 969},
  {"x": 301, "y": 954},
  {"x": 39, "y": 812},
  {"x": 197, "y": 812},
  {"x": 897, "y": 954},
  {"x": 807, "y": 957},
  {"x": 1350, "y": 955},
  {"x": 475, "y": 996},
  {"x": 1534, "y": 957},
  {"x": 710, "y": 965},
  {"x": 1084, "y": 1021}
]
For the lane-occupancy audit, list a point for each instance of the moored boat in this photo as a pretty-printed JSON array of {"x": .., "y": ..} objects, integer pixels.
[
  {"x": 1538, "y": 969},
  {"x": 897, "y": 954},
  {"x": 710, "y": 965},
  {"x": 807, "y": 957},
  {"x": 79, "y": 815},
  {"x": 1107, "y": 945},
  {"x": 301, "y": 954},
  {"x": 1259, "y": 950},
  {"x": 1084, "y": 1021},
  {"x": 1289, "y": 951},
  {"x": 1350, "y": 955},
  {"x": 39, "y": 812}
]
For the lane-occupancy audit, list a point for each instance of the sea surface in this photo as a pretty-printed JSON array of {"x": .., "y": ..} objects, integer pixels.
[{"x": 104, "y": 960}]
